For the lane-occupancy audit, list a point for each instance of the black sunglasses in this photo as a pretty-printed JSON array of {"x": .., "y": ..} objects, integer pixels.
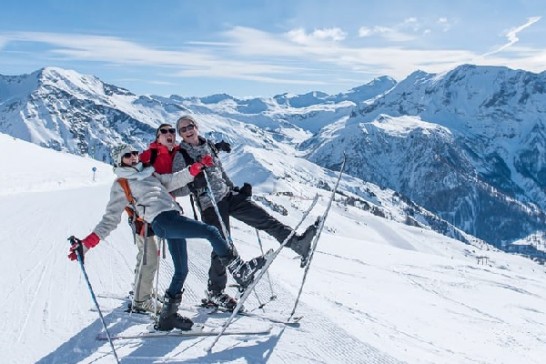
[
  {"x": 165, "y": 131},
  {"x": 184, "y": 129},
  {"x": 129, "y": 155}
]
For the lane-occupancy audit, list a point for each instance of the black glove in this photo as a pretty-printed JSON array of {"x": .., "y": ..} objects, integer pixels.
[
  {"x": 200, "y": 181},
  {"x": 246, "y": 190},
  {"x": 223, "y": 146}
]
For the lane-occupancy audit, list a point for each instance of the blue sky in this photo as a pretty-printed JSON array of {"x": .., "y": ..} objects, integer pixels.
[{"x": 264, "y": 48}]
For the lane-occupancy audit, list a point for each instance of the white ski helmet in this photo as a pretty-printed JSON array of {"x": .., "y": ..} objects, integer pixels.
[{"x": 119, "y": 151}]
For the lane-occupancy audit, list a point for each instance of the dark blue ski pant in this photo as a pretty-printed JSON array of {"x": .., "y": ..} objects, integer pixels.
[{"x": 176, "y": 229}]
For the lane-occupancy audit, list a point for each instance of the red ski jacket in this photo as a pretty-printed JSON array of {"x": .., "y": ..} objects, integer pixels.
[{"x": 160, "y": 157}]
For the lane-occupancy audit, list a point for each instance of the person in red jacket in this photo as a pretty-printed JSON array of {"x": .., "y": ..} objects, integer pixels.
[{"x": 160, "y": 153}]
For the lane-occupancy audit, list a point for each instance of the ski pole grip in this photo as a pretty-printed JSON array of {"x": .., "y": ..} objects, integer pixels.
[{"x": 79, "y": 250}]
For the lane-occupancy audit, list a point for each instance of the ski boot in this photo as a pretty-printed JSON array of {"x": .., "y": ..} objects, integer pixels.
[
  {"x": 243, "y": 272},
  {"x": 169, "y": 318},
  {"x": 219, "y": 301},
  {"x": 301, "y": 244}
]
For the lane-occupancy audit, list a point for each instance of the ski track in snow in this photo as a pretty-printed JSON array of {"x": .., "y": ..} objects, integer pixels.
[
  {"x": 317, "y": 340},
  {"x": 377, "y": 290},
  {"x": 333, "y": 345}
]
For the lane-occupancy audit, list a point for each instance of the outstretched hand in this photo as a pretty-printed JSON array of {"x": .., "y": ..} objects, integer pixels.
[
  {"x": 246, "y": 190},
  {"x": 76, "y": 248},
  {"x": 223, "y": 146},
  {"x": 82, "y": 246}
]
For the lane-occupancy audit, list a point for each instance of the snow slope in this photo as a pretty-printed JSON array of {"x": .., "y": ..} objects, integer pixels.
[{"x": 378, "y": 291}]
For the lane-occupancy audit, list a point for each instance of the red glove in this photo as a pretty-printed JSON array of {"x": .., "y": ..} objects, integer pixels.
[
  {"x": 196, "y": 168},
  {"x": 207, "y": 160},
  {"x": 89, "y": 242}
]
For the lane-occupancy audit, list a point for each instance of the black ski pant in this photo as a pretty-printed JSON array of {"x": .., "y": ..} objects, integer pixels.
[{"x": 242, "y": 208}]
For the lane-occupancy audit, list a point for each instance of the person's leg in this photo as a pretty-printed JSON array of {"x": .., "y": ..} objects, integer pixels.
[
  {"x": 172, "y": 225},
  {"x": 169, "y": 318},
  {"x": 144, "y": 276},
  {"x": 139, "y": 241},
  {"x": 245, "y": 210},
  {"x": 143, "y": 285},
  {"x": 217, "y": 271},
  {"x": 179, "y": 255}
]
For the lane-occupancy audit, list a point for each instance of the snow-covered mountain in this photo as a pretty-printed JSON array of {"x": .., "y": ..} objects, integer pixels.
[
  {"x": 65, "y": 110},
  {"x": 467, "y": 145},
  {"x": 378, "y": 291},
  {"x": 82, "y": 115}
]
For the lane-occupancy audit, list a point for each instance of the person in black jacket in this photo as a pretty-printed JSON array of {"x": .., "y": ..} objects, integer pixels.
[{"x": 232, "y": 201}]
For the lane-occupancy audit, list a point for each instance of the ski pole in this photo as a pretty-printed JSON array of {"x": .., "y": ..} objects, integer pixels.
[
  {"x": 264, "y": 269},
  {"x": 161, "y": 243},
  {"x": 273, "y": 295},
  {"x": 317, "y": 237},
  {"x": 222, "y": 224},
  {"x": 79, "y": 253},
  {"x": 143, "y": 260},
  {"x": 227, "y": 236}
]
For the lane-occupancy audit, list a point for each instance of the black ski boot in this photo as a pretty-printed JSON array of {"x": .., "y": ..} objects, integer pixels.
[
  {"x": 243, "y": 272},
  {"x": 301, "y": 244},
  {"x": 169, "y": 318},
  {"x": 219, "y": 300}
]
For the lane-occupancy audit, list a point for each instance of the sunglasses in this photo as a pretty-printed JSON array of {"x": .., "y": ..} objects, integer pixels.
[
  {"x": 184, "y": 129},
  {"x": 129, "y": 155},
  {"x": 165, "y": 131}
]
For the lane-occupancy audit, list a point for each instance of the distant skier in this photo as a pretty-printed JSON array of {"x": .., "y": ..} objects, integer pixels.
[
  {"x": 232, "y": 201},
  {"x": 156, "y": 206}
]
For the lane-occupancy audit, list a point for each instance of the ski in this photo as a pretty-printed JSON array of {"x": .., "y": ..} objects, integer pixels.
[
  {"x": 198, "y": 330},
  {"x": 114, "y": 296},
  {"x": 307, "y": 262},
  {"x": 212, "y": 310},
  {"x": 137, "y": 317},
  {"x": 243, "y": 296},
  {"x": 293, "y": 322}
]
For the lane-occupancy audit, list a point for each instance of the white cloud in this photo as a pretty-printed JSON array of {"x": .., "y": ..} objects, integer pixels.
[
  {"x": 327, "y": 34},
  {"x": 365, "y": 32},
  {"x": 390, "y": 34},
  {"x": 512, "y": 35},
  {"x": 444, "y": 24},
  {"x": 411, "y": 23},
  {"x": 296, "y": 57}
]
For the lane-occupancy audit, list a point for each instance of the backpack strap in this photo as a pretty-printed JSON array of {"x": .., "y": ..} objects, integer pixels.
[
  {"x": 136, "y": 221},
  {"x": 125, "y": 186},
  {"x": 187, "y": 159}
]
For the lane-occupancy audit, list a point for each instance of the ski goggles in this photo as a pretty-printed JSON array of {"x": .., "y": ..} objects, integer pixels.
[
  {"x": 169, "y": 130},
  {"x": 131, "y": 154},
  {"x": 184, "y": 129}
]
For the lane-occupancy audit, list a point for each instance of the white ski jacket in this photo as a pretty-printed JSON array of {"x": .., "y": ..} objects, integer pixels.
[{"x": 150, "y": 191}]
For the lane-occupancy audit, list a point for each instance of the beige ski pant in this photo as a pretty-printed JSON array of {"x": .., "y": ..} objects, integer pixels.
[{"x": 144, "y": 282}]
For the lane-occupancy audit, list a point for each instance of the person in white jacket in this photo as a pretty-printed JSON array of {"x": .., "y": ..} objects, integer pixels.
[{"x": 157, "y": 207}]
